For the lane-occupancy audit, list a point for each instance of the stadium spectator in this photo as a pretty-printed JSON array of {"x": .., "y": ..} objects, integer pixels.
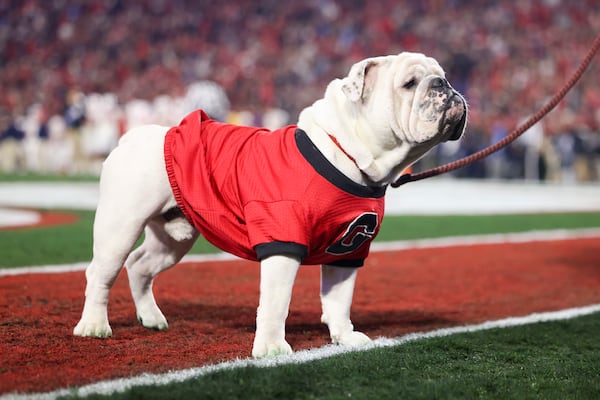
[{"x": 12, "y": 158}]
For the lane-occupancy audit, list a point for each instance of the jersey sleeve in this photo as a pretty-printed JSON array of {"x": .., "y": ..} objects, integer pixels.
[{"x": 276, "y": 228}]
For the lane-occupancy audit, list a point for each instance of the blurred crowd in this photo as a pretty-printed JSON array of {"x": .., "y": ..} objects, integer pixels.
[{"x": 76, "y": 74}]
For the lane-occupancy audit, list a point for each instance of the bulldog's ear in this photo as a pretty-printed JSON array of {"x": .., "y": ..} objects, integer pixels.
[{"x": 360, "y": 80}]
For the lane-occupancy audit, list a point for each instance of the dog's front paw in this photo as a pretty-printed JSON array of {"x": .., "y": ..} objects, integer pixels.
[
  {"x": 262, "y": 349},
  {"x": 352, "y": 339},
  {"x": 93, "y": 328}
]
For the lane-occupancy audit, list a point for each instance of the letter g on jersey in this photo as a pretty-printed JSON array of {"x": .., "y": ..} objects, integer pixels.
[{"x": 361, "y": 230}]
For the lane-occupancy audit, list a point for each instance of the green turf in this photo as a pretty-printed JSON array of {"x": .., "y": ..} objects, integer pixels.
[
  {"x": 73, "y": 242},
  {"x": 552, "y": 360},
  {"x": 34, "y": 177},
  {"x": 50, "y": 245}
]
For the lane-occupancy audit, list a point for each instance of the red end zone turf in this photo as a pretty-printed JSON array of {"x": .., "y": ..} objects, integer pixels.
[{"x": 211, "y": 308}]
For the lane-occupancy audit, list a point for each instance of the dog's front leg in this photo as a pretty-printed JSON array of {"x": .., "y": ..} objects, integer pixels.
[
  {"x": 277, "y": 275},
  {"x": 337, "y": 289}
]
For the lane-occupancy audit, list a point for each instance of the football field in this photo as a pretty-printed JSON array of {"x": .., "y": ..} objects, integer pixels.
[{"x": 462, "y": 304}]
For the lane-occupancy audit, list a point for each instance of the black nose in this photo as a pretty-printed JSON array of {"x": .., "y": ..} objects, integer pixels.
[{"x": 438, "y": 83}]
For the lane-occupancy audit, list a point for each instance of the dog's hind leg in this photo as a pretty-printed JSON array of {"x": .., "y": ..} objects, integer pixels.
[
  {"x": 134, "y": 188},
  {"x": 112, "y": 243},
  {"x": 165, "y": 243},
  {"x": 114, "y": 235}
]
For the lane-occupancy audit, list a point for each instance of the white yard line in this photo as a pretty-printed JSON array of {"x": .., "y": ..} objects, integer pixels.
[
  {"x": 121, "y": 385},
  {"x": 517, "y": 237},
  {"x": 50, "y": 195}
]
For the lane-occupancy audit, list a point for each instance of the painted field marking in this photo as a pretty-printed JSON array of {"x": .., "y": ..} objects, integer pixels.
[
  {"x": 517, "y": 237},
  {"x": 121, "y": 385},
  {"x": 10, "y": 217}
]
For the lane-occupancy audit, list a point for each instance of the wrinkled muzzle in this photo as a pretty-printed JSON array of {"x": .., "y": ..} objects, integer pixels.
[
  {"x": 439, "y": 115},
  {"x": 454, "y": 120},
  {"x": 453, "y": 111}
]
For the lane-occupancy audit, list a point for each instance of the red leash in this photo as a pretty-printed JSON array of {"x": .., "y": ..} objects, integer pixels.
[{"x": 514, "y": 134}]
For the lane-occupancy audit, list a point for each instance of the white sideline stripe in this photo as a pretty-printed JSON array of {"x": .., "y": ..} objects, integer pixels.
[
  {"x": 45, "y": 269},
  {"x": 517, "y": 237},
  {"x": 121, "y": 385}
]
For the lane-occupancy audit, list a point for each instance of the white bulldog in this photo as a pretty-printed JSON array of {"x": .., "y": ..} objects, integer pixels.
[{"x": 348, "y": 146}]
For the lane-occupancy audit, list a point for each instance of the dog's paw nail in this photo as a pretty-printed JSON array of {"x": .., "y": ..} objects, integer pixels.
[
  {"x": 159, "y": 324},
  {"x": 102, "y": 334}
]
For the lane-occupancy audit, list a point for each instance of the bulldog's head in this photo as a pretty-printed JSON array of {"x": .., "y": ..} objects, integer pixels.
[
  {"x": 388, "y": 112},
  {"x": 410, "y": 91}
]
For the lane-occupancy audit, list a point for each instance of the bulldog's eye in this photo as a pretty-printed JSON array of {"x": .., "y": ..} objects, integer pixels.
[{"x": 410, "y": 84}]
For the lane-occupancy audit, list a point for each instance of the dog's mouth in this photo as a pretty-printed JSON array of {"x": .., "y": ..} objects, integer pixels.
[{"x": 454, "y": 119}]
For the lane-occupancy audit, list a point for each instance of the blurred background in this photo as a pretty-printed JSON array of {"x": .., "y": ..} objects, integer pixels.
[{"x": 76, "y": 74}]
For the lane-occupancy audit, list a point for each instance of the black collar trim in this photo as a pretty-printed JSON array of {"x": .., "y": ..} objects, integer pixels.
[{"x": 322, "y": 165}]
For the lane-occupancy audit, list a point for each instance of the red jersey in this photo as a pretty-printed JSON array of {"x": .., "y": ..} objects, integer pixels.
[{"x": 255, "y": 193}]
